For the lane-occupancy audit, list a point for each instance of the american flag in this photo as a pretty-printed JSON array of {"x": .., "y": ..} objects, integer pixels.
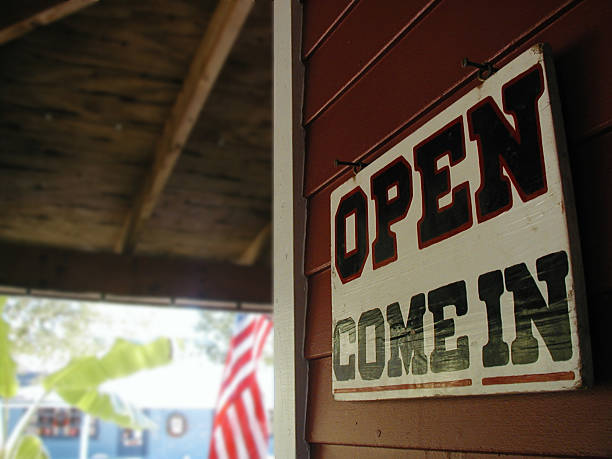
[{"x": 240, "y": 427}]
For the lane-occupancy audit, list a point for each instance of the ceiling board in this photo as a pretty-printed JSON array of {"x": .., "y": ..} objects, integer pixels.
[
  {"x": 228, "y": 158},
  {"x": 82, "y": 105},
  {"x": 21, "y": 17},
  {"x": 221, "y": 32}
]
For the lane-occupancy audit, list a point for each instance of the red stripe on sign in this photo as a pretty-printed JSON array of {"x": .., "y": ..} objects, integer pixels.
[
  {"x": 518, "y": 379},
  {"x": 429, "y": 385}
]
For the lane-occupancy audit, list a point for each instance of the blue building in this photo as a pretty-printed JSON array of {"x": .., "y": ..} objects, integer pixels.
[{"x": 180, "y": 434}]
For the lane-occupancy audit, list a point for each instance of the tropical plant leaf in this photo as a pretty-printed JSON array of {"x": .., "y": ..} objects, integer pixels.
[
  {"x": 78, "y": 382},
  {"x": 124, "y": 359},
  {"x": 108, "y": 407},
  {"x": 31, "y": 447},
  {"x": 8, "y": 368}
]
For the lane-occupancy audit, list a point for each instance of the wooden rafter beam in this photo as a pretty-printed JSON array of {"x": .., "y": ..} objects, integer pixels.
[
  {"x": 108, "y": 274},
  {"x": 38, "y": 13},
  {"x": 220, "y": 35},
  {"x": 255, "y": 248}
]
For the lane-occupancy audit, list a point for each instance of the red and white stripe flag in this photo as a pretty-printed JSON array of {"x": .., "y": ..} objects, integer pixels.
[{"x": 240, "y": 428}]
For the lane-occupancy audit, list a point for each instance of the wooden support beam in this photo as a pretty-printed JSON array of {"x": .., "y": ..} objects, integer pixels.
[
  {"x": 224, "y": 28},
  {"x": 253, "y": 252},
  {"x": 27, "y": 16},
  {"x": 60, "y": 270}
]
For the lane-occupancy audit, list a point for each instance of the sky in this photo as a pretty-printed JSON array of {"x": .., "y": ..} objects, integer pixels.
[{"x": 189, "y": 383}]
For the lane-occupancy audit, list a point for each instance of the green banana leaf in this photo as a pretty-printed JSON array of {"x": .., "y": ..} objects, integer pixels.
[
  {"x": 108, "y": 407},
  {"x": 79, "y": 381},
  {"x": 31, "y": 447},
  {"x": 124, "y": 359},
  {"x": 8, "y": 369}
]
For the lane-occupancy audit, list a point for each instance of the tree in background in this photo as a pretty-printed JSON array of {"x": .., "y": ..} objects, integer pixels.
[
  {"x": 78, "y": 384},
  {"x": 215, "y": 332},
  {"x": 47, "y": 333},
  {"x": 52, "y": 330}
]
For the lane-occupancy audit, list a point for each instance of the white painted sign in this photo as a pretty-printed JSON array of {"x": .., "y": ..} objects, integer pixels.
[{"x": 455, "y": 258}]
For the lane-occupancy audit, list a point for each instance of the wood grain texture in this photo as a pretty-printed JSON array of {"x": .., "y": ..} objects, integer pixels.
[
  {"x": 571, "y": 423},
  {"x": 362, "y": 36},
  {"x": 319, "y": 17},
  {"x": 219, "y": 195},
  {"x": 137, "y": 276},
  {"x": 83, "y": 101},
  {"x": 591, "y": 169},
  {"x": 32, "y": 18},
  {"x": 221, "y": 32},
  {"x": 324, "y": 451},
  {"x": 82, "y": 105},
  {"x": 364, "y": 124},
  {"x": 365, "y": 116}
]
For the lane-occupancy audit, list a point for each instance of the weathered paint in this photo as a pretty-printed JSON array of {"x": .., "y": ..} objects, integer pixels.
[{"x": 437, "y": 245}]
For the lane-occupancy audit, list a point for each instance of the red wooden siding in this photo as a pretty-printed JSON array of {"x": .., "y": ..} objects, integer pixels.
[
  {"x": 364, "y": 452},
  {"x": 318, "y": 320},
  {"x": 320, "y": 16},
  {"x": 376, "y": 71},
  {"x": 423, "y": 67},
  {"x": 359, "y": 39},
  {"x": 571, "y": 424}
]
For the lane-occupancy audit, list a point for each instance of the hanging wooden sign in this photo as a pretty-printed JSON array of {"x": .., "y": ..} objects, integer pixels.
[{"x": 456, "y": 264}]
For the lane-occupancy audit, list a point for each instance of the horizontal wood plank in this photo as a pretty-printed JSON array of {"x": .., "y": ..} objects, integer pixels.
[
  {"x": 38, "y": 268},
  {"x": 83, "y": 102},
  {"x": 359, "y": 46},
  {"x": 369, "y": 113},
  {"x": 573, "y": 424},
  {"x": 319, "y": 17},
  {"x": 369, "y": 116},
  {"x": 324, "y": 451},
  {"x": 318, "y": 316},
  {"x": 36, "y": 15}
]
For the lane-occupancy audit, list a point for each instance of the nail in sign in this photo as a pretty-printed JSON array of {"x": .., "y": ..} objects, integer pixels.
[{"x": 456, "y": 267}]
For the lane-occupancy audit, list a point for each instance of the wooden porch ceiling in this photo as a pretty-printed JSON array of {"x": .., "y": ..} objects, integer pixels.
[{"x": 103, "y": 146}]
